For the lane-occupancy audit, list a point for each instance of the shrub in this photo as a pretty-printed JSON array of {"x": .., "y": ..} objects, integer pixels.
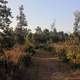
[
  {"x": 63, "y": 56},
  {"x": 8, "y": 42},
  {"x": 75, "y": 66},
  {"x": 26, "y": 61},
  {"x": 48, "y": 48}
]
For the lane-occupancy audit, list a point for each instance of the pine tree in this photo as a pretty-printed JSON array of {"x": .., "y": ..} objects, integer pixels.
[
  {"x": 5, "y": 20},
  {"x": 21, "y": 24},
  {"x": 5, "y": 15},
  {"x": 21, "y": 18}
]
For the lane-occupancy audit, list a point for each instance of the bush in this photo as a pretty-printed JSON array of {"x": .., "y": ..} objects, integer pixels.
[
  {"x": 20, "y": 39},
  {"x": 44, "y": 47},
  {"x": 63, "y": 57},
  {"x": 8, "y": 42},
  {"x": 26, "y": 60},
  {"x": 75, "y": 66}
]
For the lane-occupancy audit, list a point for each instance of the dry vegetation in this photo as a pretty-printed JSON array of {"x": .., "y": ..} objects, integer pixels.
[
  {"x": 14, "y": 54},
  {"x": 44, "y": 66},
  {"x": 42, "y": 55}
]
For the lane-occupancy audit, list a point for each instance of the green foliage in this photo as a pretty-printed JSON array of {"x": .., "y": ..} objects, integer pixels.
[
  {"x": 28, "y": 40},
  {"x": 38, "y": 30},
  {"x": 46, "y": 47},
  {"x": 73, "y": 51},
  {"x": 63, "y": 56},
  {"x": 5, "y": 15},
  {"x": 8, "y": 39},
  {"x": 20, "y": 29},
  {"x": 39, "y": 38}
]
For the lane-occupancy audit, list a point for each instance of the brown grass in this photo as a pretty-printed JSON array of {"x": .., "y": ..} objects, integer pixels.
[{"x": 15, "y": 53}]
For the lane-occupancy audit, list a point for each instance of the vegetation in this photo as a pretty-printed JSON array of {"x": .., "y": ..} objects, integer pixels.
[{"x": 61, "y": 45}]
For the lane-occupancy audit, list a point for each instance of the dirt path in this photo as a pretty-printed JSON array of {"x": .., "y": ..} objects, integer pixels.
[
  {"x": 49, "y": 69},
  {"x": 45, "y": 59},
  {"x": 53, "y": 69}
]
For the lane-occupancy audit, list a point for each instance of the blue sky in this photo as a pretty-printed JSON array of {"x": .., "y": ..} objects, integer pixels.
[{"x": 44, "y": 12}]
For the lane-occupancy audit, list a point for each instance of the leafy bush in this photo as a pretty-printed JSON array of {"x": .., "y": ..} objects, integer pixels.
[
  {"x": 73, "y": 53},
  {"x": 48, "y": 48},
  {"x": 8, "y": 42},
  {"x": 63, "y": 56},
  {"x": 8, "y": 39}
]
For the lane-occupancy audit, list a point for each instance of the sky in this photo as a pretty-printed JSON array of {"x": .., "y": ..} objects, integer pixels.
[{"x": 44, "y": 12}]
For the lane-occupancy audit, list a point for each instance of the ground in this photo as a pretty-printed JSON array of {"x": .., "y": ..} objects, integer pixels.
[{"x": 49, "y": 69}]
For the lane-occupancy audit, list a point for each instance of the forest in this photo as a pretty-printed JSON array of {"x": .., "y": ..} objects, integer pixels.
[{"x": 40, "y": 55}]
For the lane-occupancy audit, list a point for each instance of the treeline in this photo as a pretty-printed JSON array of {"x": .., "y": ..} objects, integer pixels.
[{"x": 9, "y": 36}]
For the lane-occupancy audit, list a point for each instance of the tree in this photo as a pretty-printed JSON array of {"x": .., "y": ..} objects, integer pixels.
[
  {"x": 77, "y": 22},
  {"x": 53, "y": 33},
  {"x": 9, "y": 38},
  {"x": 53, "y": 26},
  {"x": 21, "y": 18},
  {"x": 46, "y": 34},
  {"x": 39, "y": 38},
  {"x": 38, "y": 30},
  {"x": 46, "y": 31},
  {"x": 21, "y": 24},
  {"x": 5, "y": 16}
]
